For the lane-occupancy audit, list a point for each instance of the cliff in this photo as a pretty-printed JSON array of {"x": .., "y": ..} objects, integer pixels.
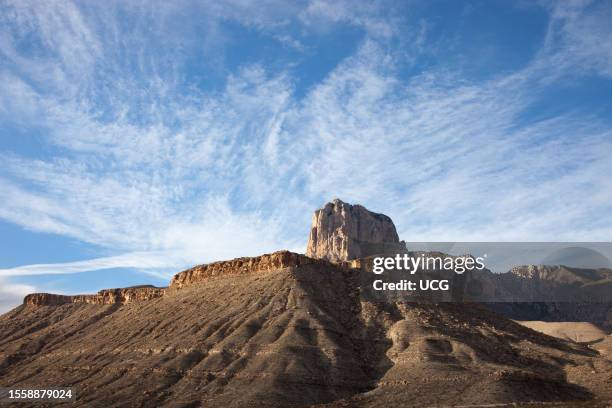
[
  {"x": 103, "y": 297},
  {"x": 239, "y": 266},
  {"x": 342, "y": 232}
]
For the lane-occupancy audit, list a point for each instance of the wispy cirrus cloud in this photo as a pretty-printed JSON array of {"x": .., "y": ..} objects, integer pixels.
[
  {"x": 578, "y": 38},
  {"x": 148, "y": 261}
]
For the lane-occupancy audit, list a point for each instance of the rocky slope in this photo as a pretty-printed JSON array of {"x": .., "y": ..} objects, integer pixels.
[
  {"x": 281, "y": 330},
  {"x": 341, "y": 232}
]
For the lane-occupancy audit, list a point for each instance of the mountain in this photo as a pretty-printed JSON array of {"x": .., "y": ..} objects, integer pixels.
[
  {"x": 342, "y": 232},
  {"x": 563, "y": 274},
  {"x": 285, "y": 329},
  {"x": 556, "y": 293}
]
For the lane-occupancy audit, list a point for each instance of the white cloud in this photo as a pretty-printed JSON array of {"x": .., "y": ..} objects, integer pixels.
[
  {"x": 579, "y": 38},
  {"x": 376, "y": 18},
  {"x": 12, "y": 294},
  {"x": 147, "y": 261}
]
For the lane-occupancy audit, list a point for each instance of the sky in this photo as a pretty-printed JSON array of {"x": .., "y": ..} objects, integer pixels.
[{"x": 138, "y": 138}]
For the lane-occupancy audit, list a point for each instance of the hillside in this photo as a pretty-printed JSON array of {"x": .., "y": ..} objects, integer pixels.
[{"x": 294, "y": 332}]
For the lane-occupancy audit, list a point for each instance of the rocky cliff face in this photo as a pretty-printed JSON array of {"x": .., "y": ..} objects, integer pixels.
[
  {"x": 103, "y": 297},
  {"x": 240, "y": 266},
  {"x": 341, "y": 232}
]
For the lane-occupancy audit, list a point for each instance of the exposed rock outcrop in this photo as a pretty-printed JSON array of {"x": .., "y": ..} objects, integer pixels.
[
  {"x": 50, "y": 299},
  {"x": 240, "y": 266},
  {"x": 103, "y": 297},
  {"x": 341, "y": 232}
]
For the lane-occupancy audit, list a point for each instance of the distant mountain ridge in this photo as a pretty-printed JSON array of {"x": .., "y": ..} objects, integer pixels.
[{"x": 562, "y": 273}]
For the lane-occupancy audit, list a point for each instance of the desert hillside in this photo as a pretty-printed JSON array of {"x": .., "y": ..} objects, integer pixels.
[
  {"x": 580, "y": 332},
  {"x": 295, "y": 332}
]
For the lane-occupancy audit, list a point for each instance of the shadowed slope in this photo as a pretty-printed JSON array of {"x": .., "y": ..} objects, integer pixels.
[{"x": 264, "y": 336}]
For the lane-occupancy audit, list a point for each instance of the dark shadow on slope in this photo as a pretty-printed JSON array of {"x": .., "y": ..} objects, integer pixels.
[{"x": 336, "y": 292}]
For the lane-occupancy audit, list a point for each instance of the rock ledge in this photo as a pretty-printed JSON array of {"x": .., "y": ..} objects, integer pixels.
[
  {"x": 103, "y": 297},
  {"x": 240, "y": 266}
]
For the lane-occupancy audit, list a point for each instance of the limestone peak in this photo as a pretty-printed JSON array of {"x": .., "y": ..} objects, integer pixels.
[{"x": 341, "y": 232}]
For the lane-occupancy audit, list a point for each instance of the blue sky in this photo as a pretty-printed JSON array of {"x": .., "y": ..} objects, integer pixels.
[{"x": 139, "y": 138}]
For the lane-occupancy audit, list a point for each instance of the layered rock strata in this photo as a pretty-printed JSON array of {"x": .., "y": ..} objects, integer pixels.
[
  {"x": 103, "y": 297},
  {"x": 239, "y": 266},
  {"x": 342, "y": 232}
]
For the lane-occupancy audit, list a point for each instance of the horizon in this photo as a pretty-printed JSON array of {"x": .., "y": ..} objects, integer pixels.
[{"x": 139, "y": 139}]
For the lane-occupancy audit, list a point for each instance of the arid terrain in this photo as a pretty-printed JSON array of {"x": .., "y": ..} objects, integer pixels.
[
  {"x": 581, "y": 332},
  {"x": 286, "y": 329}
]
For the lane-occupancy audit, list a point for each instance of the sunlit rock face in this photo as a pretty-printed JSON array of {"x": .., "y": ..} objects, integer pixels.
[
  {"x": 240, "y": 266},
  {"x": 341, "y": 232},
  {"x": 103, "y": 297}
]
